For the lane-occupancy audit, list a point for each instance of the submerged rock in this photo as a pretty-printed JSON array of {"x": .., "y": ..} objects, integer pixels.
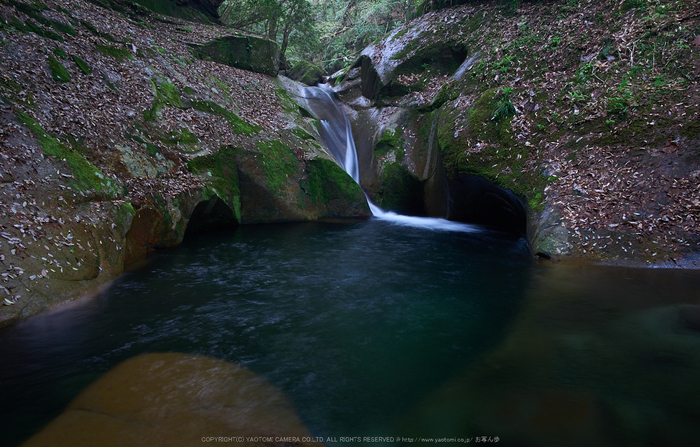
[
  {"x": 176, "y": 400},
  {"x": 591, "y": 360}
]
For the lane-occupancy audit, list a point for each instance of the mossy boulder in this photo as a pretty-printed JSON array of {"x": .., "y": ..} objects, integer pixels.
[
  {"x": 306, "y": 72},
  {"x": 332, "y": 187},
  {"x": 244, "y": 52}
]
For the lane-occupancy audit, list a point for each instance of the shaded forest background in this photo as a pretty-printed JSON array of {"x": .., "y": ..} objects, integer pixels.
[{"x": 329, "y": 33}]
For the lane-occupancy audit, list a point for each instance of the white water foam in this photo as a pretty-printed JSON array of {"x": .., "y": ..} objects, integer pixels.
[
  {"x": 427, "y": 223},
  {"x": 338, "y": 135}
]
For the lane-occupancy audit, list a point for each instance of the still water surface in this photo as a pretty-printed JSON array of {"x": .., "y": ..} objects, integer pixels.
[{"x": 376, "y": 329}]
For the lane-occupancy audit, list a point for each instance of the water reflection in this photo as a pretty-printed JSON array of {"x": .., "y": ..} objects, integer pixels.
[{"x": 599, "y": 356}]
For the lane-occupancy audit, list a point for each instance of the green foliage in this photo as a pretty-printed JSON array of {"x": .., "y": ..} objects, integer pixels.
[
  {"x": 584, "y": 73},
  {"x": 622, "y": 101},
  {"x": 504, "y": 64},
  {"x": 275, "y": 19},
  {"x": 58, "y": 71},
  {"x": 632, "y": 4},
  {"x": 504, "y": 107},
  {"x": 349, "y": 26}
]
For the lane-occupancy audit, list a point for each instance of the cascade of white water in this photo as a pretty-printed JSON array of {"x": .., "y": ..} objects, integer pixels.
[{"x": 337, "y": 133}]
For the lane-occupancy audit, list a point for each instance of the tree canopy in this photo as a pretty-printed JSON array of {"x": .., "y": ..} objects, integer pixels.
[{"x": 327, "y": 32}]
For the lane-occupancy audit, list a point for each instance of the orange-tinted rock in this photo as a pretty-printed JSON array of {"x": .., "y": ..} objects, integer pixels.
[{"x": 175, "y": 399}]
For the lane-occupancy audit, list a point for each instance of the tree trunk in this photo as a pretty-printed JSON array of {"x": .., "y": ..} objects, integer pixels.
[
  {"x": 271, "y": 28},
  {"x": 285, "y": 38}
]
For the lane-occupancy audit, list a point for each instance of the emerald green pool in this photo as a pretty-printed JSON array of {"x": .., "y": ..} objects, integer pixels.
[{"x": 377, "y": 329}]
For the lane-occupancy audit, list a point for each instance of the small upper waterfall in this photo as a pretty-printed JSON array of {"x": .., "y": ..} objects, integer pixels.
[{"x": 336, "y": 131}]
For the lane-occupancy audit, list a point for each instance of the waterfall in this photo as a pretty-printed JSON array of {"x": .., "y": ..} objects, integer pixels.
[{"x": 336, "y": 131}]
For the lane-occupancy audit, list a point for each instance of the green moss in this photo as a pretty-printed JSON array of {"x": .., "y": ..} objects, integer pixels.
[
  {"x": 12, "y": 91},
  {"x": 58, "y": 71},
  {"x": 64, "y": 28},
  {"x": 34, "y": 10},
  {"x": 389, "y": 141},
  {"x": 286, "y": 101},
  {"x": 60, "y": 52},
  {"x": 400, "y": 190},
  {"x": 224, "y": 88},
  {"x": 222, "y": 174},
  {"x": 30, "y": 27},
  {"x": 87, "y": 176},
  {"x": 166, "y": 94},
  {"x": 410, "y": 47},
  {"x": 328, "y": 181},
  {"x": 124, "y": 210},
  {"x": 120, "y": 54},
  {"x": 691, "y": 129},
  {"x": 152, "y": 149},
  {"x": 237, "y": 124},
  {"x": 245, "y": 52},
  {"x": 82, "y": 65},
  {"x": 183, "y": 137},
  {"x": 499, "y": 159},
  {"x": 301, "y": 133},
  {"x": 279, "y": 163},
  {"x": 90, "y": 27},
  {"x": 400, "y": 33},
  {"x": 306, "y": 72}
]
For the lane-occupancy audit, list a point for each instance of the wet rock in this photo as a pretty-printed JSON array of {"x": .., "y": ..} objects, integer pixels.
[
  {"x": 174, "y": 399},
  {"x": 476, "y": 200},
  {"x": 306, "y": 73}
]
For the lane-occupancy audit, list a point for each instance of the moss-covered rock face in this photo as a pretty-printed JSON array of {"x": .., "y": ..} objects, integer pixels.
[
  {"x": 245, "y": 52},
  {"x": 328, "y": 185},
  {"x": 306, "y": 72},
  {"x": 576, "y": 124}
]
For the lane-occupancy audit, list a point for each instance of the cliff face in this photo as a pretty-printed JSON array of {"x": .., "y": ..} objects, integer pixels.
[
  {"x": 119, "y": 133},
  {"x": 587, "y": 112}
]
